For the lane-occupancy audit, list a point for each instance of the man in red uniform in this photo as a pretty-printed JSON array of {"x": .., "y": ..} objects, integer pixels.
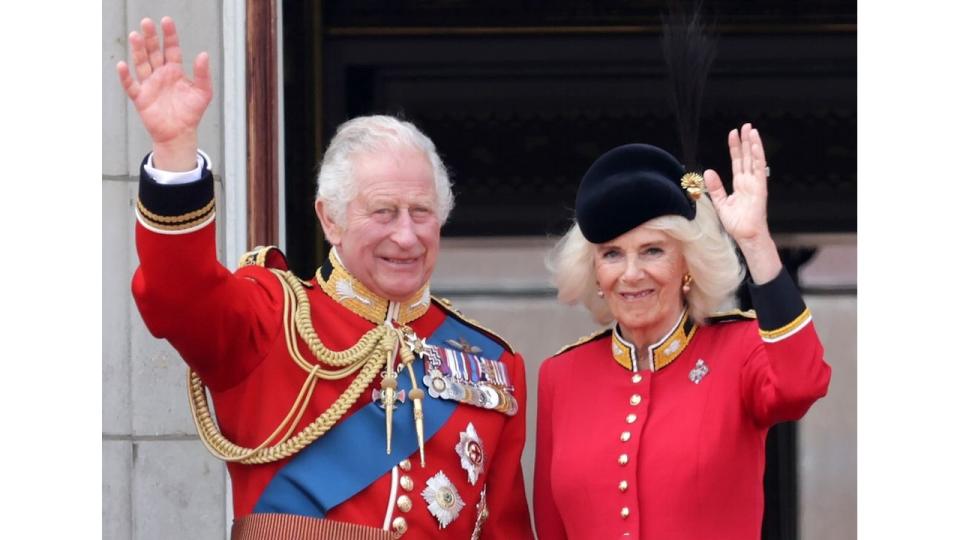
[{"x": 349, "y": 405}]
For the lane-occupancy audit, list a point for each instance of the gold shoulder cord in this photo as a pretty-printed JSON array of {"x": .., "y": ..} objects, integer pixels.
[{"x": 368, "y": 356}]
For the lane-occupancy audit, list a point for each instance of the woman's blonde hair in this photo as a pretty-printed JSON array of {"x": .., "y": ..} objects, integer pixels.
[{"x": 707, "y": 249}]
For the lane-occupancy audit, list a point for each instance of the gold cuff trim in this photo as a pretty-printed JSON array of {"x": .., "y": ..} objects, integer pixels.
[
  {"x": 789, "y": 328},
  {"x": 181, "y": 219},
  {"x": 174, "y": 229}
]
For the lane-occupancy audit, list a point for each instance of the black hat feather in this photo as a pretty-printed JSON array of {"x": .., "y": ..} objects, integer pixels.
[{"x": 634, "y": 183}]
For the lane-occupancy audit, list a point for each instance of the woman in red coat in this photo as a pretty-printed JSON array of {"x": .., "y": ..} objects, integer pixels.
[{"x": 655, "y": 428}]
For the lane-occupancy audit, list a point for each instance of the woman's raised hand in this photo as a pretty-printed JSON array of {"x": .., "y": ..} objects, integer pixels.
[
  {"x": 744, "y": 211},
  {"x": 170, "y": 105}
]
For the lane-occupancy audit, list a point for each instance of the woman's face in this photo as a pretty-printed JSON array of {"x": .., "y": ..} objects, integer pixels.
[{"x": 640, "y": 273}]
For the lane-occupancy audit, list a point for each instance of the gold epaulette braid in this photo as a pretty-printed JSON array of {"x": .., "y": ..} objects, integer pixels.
[{"x": 368, "y": 356}]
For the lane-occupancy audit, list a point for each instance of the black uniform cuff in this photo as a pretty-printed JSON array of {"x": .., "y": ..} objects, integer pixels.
[
  {"x": 173, "y": 207},
  {"x": 778, "y": 303}
]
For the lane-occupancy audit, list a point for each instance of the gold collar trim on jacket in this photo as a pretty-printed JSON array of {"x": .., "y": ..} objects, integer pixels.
[
  {"x": 661, "y": 353},
  {"x": 355, "y": 296}
]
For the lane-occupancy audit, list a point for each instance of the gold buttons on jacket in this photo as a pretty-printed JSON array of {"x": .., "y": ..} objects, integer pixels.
[
  {"x": 406, "y": 483},
  {"x": 631, "y": 418},
  {"x": 400, "y": 525},
  {"x": 636, "y": 378},
  {"x": 635, "y": 399},
  {"x": 623, "y": 459},
  {"x": 405, "y": 465},
  {"x": 625, "y": 436},
  {"x": 624, "y": 512},
  {"x": 404, "y": 503},
  {"x": 622, "y": 486}
]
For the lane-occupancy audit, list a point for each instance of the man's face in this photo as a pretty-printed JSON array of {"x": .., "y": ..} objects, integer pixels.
[{"x": 391, "y": 235}]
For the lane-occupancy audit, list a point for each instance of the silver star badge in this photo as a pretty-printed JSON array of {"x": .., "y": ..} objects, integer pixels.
[
  {"x": 470, "y": 450},
  {"x": 699, "y": 371},
  {"x": 442, "y": 498}
]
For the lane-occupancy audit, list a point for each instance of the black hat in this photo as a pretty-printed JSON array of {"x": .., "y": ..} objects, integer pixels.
[{"x": 631, "y": 185}]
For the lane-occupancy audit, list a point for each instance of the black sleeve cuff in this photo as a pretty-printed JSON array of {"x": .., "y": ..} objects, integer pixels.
[
  {"x": 778, "y": 304},
  {"x": 175, "y": 207}
]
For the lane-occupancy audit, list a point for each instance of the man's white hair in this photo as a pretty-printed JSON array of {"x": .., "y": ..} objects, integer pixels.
[
  {"x": 336, "y": 186},
  {"x": 708, "y": 251}
]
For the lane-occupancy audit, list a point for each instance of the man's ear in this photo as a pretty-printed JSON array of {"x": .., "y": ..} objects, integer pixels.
[{"x": 331, "y": 230}]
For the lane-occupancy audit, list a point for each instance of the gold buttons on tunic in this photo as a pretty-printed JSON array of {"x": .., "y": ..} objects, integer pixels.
[
  {"x": 622, "y": 486},
  {"x": 624, "y": 512},
  {"x": 400, "y": 525},
  {"x": 406, "y": 483},
  {"x": 635, "y": 399},
  {"x": 623, "y": 459},
  {"x": 631, "y": 418},
  {"x": 625, "y": 436},
  {"x": 405, "y": 464},
  {"x": 636, "y": 378},
  {"x": 404, "y": 503}
]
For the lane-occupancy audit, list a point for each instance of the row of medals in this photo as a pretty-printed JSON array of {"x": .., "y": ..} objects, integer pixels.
[{"x": 445, "y": 382}]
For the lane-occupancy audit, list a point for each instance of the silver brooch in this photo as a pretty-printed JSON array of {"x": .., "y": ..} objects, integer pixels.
[
  {"x": 470, "y": 450},
  {"x": 442, "y": 498},
  {"x": 699, "y": 371}
]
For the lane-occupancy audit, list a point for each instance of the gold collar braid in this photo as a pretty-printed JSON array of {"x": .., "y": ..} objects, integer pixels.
[
  {"x": 368, "y": 355},
  {"x": 660, "y": 354},
  {"x": 355, "y": 296}
]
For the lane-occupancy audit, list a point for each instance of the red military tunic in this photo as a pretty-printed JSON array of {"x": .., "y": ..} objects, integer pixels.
[
  {"x": 228, "y": 328},
  {"x": 670, "y": 444}
]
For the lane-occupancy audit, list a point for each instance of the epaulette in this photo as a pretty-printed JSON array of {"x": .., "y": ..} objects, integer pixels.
[
  {"x": 265, "y": 256},
  {"x": 733, "y": 315},
  {"x": 585, "y": 339},
  {"x": 447, "y": 305}
]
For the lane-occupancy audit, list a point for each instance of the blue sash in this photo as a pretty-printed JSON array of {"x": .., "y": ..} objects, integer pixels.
[{"x": 352, "y": 455}]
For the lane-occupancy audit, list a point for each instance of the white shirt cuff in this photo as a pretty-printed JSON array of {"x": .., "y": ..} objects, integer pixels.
[{"x": 173, "y": 178}]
